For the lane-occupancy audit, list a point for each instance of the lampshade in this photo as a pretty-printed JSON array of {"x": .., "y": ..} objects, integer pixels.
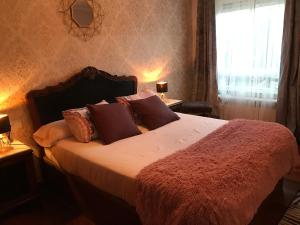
[
  {"x": 4, "y": 123},
  {"x": 162, "y": 87}
]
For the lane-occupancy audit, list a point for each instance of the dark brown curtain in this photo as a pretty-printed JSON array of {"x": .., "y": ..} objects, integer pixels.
[
  {"x": 288, "y": 106},
  {"x": 205, "y": 82}
]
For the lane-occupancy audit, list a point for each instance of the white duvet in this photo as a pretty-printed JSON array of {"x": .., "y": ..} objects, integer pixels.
[{"x": 113, "y": 168}]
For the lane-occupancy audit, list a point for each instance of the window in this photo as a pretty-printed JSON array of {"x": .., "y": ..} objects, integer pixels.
[{"x": 249, "y": 36}]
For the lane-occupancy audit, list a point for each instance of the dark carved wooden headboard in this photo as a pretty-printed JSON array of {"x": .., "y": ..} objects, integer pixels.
[{"x": 87, "y": 87}]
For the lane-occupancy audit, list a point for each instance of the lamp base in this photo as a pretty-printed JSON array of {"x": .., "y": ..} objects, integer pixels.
[
  {"x": 163, "y": 97},
  {"x": 5, "y": 143}
]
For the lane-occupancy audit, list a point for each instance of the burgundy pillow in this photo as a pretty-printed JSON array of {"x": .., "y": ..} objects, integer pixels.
[
  {"x": 113, "y": 122},
  {"x": 153, "y": 112}
]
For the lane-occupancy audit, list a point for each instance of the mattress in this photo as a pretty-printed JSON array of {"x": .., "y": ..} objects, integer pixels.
[
  {"x": 113, "y": 168},
  {"x": 50, "y": 159}
]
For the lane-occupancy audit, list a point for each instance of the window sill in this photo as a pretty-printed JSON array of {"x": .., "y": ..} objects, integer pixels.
[{"x": 245, "y": 99}]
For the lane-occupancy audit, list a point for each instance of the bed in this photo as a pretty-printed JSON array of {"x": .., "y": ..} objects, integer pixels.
[{"x": 103, "y": 178}]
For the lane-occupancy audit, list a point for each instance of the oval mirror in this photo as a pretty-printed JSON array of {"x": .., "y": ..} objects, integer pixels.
[{"x": 82, "y": 13}]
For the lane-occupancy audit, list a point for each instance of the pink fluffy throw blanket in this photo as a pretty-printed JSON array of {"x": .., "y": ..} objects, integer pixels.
[{"x": 220, "y": 180}]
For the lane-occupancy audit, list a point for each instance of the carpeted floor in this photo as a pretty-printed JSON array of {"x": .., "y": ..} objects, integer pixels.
[
  {"x": 50, "y": 210},
  {"x": 292, "y": 215}
]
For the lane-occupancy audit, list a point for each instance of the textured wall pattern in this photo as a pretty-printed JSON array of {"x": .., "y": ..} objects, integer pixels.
[{"x": 145, "y": 38}]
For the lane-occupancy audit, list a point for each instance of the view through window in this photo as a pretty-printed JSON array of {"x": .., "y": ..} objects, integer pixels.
[{"x": 249, "y": 36}]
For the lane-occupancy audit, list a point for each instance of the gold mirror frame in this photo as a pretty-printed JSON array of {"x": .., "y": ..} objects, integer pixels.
[{"x": 83, "y": 18}]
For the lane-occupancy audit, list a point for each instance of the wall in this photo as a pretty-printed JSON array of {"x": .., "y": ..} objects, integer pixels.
[{"x": 137, "y": 37}]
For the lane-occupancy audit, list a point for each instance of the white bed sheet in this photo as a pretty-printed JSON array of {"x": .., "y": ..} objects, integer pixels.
[
  {"x": 113, "y": 168},
  {"x": 49, "y": 157}
]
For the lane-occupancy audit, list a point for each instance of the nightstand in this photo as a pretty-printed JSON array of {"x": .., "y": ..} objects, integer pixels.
[
  {"x": 17, "y": 176},
  {"x": 173, "y": 104}
]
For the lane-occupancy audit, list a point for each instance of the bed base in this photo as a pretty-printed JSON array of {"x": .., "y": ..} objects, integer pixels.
[
  {"x": 105, "y": 209},
  {"x": 100, "y": 207}
]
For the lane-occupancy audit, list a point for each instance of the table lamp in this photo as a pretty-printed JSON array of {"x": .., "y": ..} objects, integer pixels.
[
  {"x": 4, "y": 132},
  {"x": 162, "y": 88}
]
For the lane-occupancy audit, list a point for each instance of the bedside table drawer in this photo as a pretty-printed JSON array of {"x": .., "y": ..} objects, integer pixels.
[
  {"x": 13, "y": 182},
  {"x": 17, "y": 178},
  {"x": 175, "y": 108},
  {"x": 173, "y": 104}
]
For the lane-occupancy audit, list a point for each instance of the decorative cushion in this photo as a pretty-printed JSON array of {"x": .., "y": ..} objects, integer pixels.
[
  {"x": 79, "y": 122},
  {"x": 141, "y": 95},
  {"x": 113, "y": 122},
  {"x": 47, "y": 135},
  {"x": 153, "y": 112}
]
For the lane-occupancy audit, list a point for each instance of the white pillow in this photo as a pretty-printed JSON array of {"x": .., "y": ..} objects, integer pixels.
[{"x": 47, "y": 135}]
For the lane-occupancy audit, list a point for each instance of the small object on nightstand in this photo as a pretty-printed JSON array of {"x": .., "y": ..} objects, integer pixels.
[
  {"x": 17, "y": 177},
  {"x": 4, "y": 133},
  {"x": 162, "y": 88}
]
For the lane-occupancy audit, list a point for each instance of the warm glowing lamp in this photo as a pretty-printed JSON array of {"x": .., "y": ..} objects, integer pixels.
[
  {"x": 162, "y": 88},
  {"x": 4, "y": 132}
]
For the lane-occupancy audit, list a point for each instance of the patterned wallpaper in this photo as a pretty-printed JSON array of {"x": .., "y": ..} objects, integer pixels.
[{"x": 139, "y": 37}]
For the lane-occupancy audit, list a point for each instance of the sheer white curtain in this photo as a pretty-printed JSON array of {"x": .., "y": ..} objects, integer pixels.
[{"x": 249, "y": 36}]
